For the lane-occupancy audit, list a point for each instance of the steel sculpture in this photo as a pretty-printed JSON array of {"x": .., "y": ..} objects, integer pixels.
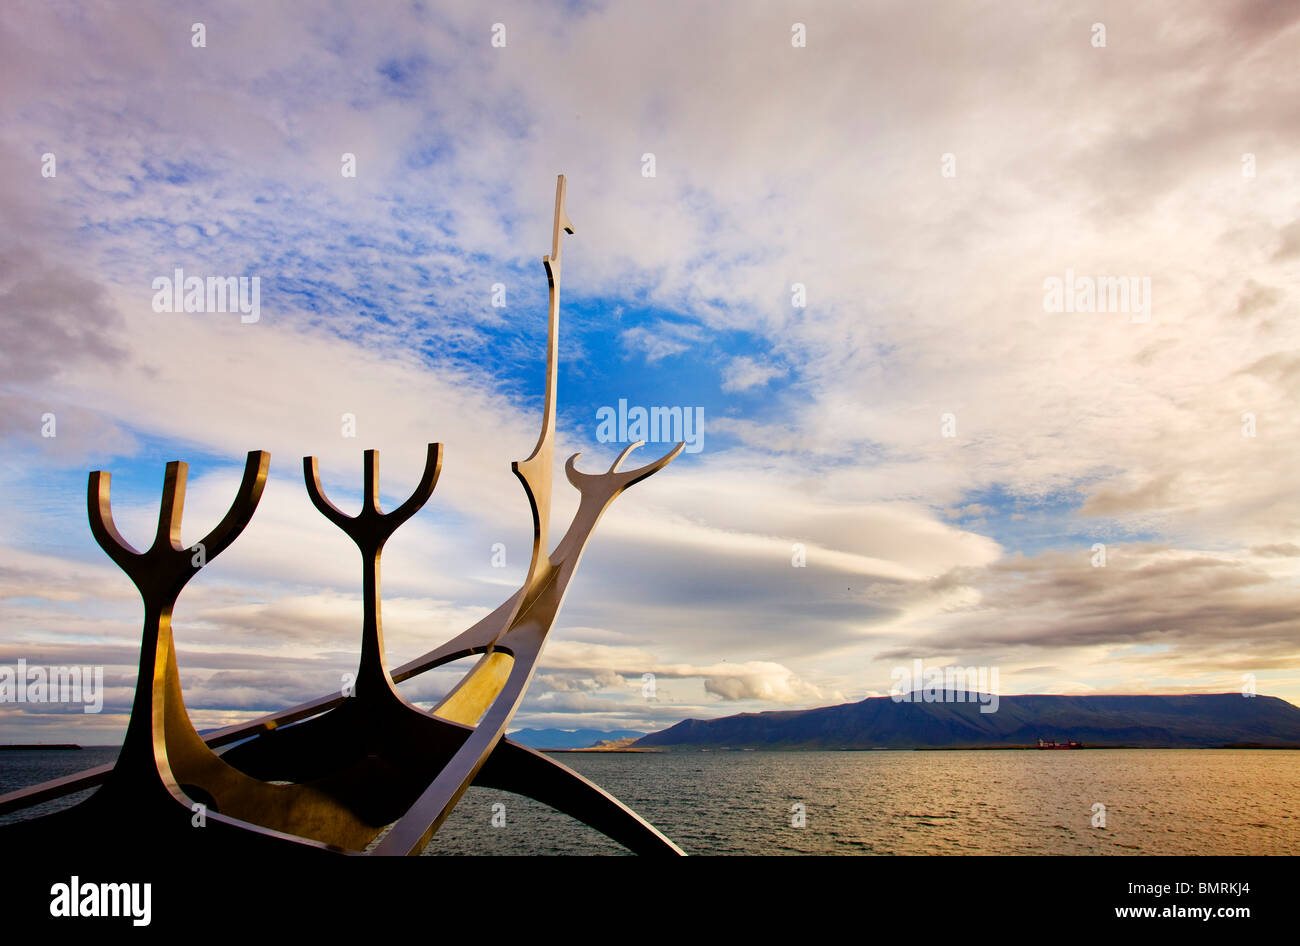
[{"x": 361, "y": 773}]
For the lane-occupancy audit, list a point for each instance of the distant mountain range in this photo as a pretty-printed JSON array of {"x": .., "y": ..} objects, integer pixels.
[
  {"x": 569, "y": 738},
  {"x": 1193, "y": 721}
]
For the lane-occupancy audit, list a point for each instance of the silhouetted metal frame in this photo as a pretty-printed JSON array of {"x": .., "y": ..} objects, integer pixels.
[{"x": 356, "y": 762}]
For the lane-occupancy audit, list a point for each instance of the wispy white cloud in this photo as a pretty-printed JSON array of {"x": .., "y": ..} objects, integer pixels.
[{"x": 743, "y": 373}]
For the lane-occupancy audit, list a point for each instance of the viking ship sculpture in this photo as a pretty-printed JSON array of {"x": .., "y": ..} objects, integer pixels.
[{"x": 361, "y": 772}]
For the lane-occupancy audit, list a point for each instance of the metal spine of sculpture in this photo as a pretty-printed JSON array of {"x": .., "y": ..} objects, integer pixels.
[{"x": 366, "y": 772}]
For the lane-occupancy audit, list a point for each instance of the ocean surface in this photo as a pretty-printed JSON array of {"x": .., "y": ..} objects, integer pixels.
[{"x": 1171, "y": 801}]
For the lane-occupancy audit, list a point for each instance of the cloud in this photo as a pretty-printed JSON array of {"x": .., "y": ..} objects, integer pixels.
[
  {"x": 759, "y": 680},
  {"x": 743, "y": 373},
  {"x": 661, "y": 340},
  {"x": 1290, "y": 241},
  {"x": 1255, "y": 298},
  {"x": 52, "y": 318},
  {"x": 1156, "y": 493},
  {"x": 1204, "y": 609},
  {"x": 751, "y": 680}
]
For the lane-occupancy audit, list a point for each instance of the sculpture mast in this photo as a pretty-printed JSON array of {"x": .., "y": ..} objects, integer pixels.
[{"x": 535, "y": 472}]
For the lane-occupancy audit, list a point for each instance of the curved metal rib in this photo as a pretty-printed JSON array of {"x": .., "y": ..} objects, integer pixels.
[
  {"x": 534, "y": 473},
  {"x": 525, "y": 771}
]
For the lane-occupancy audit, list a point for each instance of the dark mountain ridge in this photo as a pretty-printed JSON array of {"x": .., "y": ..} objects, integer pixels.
[{"x": 1212, "y": 720}]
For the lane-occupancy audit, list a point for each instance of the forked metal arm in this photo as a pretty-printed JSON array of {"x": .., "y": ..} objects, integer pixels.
[
  {"x": 167, "y": 564},
  {"x": 370, "y": 529}
]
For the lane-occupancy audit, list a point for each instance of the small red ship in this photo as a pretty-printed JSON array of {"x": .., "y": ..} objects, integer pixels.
[{"x": 1053, "y": 744}]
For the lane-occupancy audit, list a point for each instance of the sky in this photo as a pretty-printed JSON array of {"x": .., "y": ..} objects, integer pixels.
[{"x": 843, "y": 258}]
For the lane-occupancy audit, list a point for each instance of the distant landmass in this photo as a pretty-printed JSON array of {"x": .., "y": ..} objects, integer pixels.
[
  {"x": 571, "y": 738},
  {"x": 1217, "y": 720}
]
